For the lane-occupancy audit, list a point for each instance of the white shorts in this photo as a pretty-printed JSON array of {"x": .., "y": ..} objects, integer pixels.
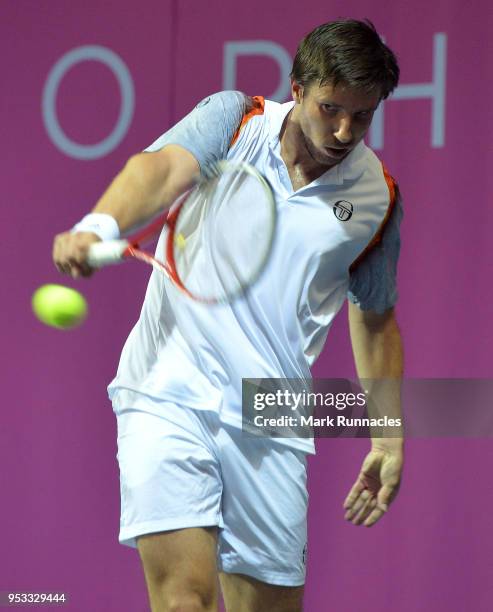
[{"x": 181, "y": 468}]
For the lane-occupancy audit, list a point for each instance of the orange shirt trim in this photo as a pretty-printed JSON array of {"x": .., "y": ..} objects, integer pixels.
[
  {"x": 257, "y": 108},
  {"x": 377, "y": 238}
]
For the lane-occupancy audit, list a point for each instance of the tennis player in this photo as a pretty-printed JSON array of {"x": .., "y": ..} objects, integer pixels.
[{"x": 199, "y": 499}]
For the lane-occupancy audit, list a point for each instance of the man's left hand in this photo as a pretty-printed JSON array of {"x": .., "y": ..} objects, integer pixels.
[{"x": 376, "y": 486}]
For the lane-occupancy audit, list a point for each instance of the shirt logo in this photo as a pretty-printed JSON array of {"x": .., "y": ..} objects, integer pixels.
[
  {"x": 343, "y": 210},
  {"x": 203, "y": 102}
]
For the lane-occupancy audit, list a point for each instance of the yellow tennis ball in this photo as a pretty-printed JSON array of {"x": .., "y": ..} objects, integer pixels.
[{"x": 59, "y": 306}]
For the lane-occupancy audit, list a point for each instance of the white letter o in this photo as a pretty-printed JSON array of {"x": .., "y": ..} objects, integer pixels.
[{"x": 124, "y": 78}]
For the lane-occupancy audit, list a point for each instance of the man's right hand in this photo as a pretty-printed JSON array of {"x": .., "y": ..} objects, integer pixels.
[{"x": 70, "y": 253}]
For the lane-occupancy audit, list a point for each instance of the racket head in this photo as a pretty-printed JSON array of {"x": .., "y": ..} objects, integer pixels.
[{"x": 220, "y": 234}]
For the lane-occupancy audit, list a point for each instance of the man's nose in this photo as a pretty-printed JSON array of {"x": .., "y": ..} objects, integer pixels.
[{"x": 343, "y": 131}]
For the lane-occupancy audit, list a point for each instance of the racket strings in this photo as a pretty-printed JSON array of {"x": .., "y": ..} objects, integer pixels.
[{"x": 223, "y": 233}]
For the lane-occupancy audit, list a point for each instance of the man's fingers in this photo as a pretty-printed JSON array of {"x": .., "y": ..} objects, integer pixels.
[
  {"x": 368, "y": 509},
  {"x": 375, "y": 489},
  {"x": 376, "y": 514},
  {"x": 360, "y": 508},
  {"x": 70, "y": 253},
  {"x": 367, "y": 480},
  {"x": 382, "y": 502},
  {"x": 364, "y": 507},
  {"x": 359, "y": 502},
  {"x": 365, "y": 511},
  {"x": 353, "y": 494},
  {"x": 77, "y": 269},
  {"x": 386, "y": 495}
]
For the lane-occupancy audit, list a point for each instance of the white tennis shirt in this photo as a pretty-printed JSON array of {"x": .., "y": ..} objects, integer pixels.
[{"x": 196, "y": 355}]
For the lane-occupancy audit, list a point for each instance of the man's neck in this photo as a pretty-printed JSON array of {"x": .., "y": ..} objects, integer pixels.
[{"x": 303, "y": 169}]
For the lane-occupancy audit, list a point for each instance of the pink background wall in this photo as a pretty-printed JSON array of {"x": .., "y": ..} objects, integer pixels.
[{"x": 59, "y": 476}]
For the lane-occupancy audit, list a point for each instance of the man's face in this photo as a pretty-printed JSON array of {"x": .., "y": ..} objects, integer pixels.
[{"x": 332, "y": 120}]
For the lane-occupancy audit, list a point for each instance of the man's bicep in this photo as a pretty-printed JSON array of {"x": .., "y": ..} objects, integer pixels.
[
  {"x": 371, "y": 319},
  {"x": 206, "y": 132},
  {"x": 175, "y": 168},
  {"x": 373, "y": 282}
]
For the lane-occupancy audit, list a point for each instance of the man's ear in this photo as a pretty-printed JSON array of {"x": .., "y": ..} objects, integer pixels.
[{"x": 296, "y": 91}]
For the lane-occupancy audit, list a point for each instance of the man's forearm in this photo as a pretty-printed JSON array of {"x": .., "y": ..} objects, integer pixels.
[
  {"x": 148, "y": 184},
  {"x": 378, "y": 354}
]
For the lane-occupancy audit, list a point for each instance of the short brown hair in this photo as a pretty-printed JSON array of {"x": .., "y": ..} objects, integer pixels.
[{"x": 346, "y": 51}]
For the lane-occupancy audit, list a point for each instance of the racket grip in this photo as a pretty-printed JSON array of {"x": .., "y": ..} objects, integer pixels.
[{"x": 105, "y": 253}]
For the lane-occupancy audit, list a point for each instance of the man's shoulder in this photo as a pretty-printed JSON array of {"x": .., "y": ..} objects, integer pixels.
[
  {"x": 375, "y": 169},
  {"x": 225, "y": 100}
]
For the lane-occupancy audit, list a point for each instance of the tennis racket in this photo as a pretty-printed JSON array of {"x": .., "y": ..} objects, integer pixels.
[{"x": 218, "y": 235}]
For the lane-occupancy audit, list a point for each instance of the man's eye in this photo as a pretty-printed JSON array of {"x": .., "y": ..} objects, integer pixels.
[{"x": 329, "y": 108}]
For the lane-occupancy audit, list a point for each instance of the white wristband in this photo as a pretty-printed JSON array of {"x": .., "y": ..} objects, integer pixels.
[{"x": 103, "y": 225}]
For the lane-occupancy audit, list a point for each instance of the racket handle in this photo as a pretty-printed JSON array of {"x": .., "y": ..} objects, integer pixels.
[{"x": 105, "y": 253}]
